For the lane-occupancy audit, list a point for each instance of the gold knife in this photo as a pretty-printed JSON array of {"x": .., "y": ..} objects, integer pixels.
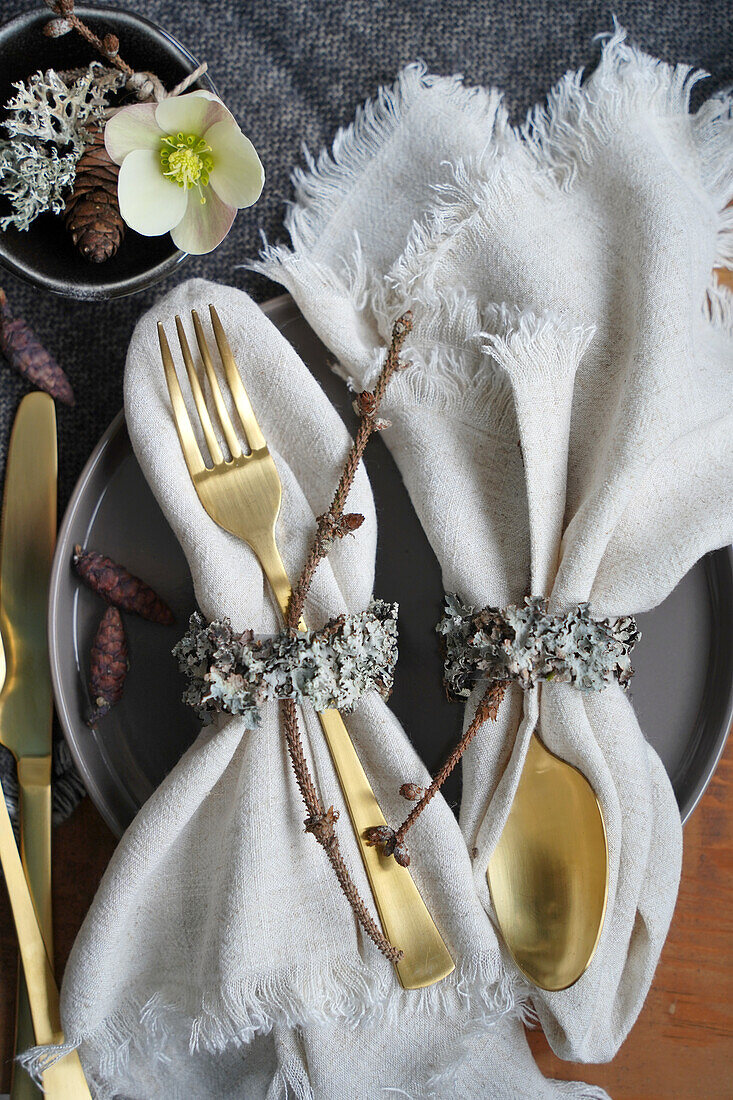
[
  {"x": 27, "y": 541},
  {"x": 64, "y": 1080}
]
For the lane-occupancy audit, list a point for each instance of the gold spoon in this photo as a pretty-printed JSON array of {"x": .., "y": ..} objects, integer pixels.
[{"x": 548, "y": 875}]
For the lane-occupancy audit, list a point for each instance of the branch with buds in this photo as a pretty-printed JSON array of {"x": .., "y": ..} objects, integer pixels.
[
  {"x": 67, "y": 20},
  {"x": 336, "y": 524},
  {"x": 145, "y": 85},
  {"x": 391, "y": 842}
]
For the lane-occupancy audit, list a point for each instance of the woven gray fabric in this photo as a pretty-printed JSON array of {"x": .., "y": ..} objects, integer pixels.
[{"x": 291, "y": 71}]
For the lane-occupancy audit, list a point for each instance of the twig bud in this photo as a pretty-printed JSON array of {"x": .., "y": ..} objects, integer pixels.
[
  {"x": 323, "y": 826},
  {"x": 402, "y": 855},
  {"x": 111, "y": 45},
  {"x": 55, "y": 28},
  {"x": 365, "y": 404},
  {"x": 402, "y": 325},
  {"x": 348, "y": 523},
  {"x": 381, "y": 837}
]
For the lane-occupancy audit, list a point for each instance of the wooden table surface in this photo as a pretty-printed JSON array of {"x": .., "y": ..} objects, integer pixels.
[{"x": 682, "y": 1045}]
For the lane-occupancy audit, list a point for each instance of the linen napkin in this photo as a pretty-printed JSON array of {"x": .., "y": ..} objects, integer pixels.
[
  {"x": 219, "y": 958},
  {"x": 565, "y": 429}
]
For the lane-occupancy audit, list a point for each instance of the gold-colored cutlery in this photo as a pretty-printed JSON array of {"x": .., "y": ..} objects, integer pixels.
[
  {"x": 548, "y": 874},
  {"x": 26, "y": 707},
  {"x": 242, "y": 493}
]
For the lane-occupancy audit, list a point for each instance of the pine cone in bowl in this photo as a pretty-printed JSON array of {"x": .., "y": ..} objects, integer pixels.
[{"x": 92, "y": 213}]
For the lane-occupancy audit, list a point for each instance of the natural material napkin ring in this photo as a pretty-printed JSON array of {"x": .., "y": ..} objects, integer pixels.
[
  {"x": 526, "y": 644},
  {"x": 521, "y": 644},
  {"x": 332, "y": 667}
]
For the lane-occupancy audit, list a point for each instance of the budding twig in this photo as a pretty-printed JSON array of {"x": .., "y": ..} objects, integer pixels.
[
  {"x": 67, "y": 20},
  {"x": 391, "y": 842},
  {"x": 321, "y": 821}
]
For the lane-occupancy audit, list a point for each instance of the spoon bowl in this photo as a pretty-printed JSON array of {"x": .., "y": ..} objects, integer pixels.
[{"x": 548, "y": 874}]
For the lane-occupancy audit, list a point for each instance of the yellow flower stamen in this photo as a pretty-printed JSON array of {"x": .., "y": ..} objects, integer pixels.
[{"x": 186, "y": 160}]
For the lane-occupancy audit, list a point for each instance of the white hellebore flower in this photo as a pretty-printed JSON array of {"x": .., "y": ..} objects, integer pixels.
[{"x": 185, "y": 168}]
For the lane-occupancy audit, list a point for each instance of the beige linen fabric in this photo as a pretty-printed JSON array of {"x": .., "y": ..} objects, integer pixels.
[
  {"x": 219, "y": 959},
  {"x": 565, "y": 428}
]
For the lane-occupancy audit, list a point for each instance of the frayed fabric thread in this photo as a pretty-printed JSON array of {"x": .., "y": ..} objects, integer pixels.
[
  {"x": 215, "y": 1022},
  {"x": 548, "y": 149}
]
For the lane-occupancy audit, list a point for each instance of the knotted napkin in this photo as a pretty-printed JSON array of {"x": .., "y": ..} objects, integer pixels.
[
  {"x": 565, "y": 429},
  {"x": 220, "y": 959}
]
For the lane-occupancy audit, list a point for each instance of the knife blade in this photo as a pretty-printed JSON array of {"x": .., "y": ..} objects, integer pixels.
[{"x": 27, "y": 539}]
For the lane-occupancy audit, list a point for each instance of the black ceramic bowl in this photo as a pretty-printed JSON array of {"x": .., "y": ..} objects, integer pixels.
[{"x": 44, "y": 254}]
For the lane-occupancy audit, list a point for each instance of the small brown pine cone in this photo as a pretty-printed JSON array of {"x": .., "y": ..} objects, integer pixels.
[
  {"x": 25, "y": 353},
  {"x": 118, "y": 587},
  {"x": 92, "y": 213},
  {"x": 411, "y": 791},
  {"x": 108, "y": 665}
]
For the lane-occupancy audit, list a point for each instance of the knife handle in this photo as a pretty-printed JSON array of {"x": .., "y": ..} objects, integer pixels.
[
  {"x": 65, "y": 1080},
  {"x": 34, "y": 782}
]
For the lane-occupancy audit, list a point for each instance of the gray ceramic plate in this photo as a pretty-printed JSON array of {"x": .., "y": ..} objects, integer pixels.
[{"x": 682, "y": 692}]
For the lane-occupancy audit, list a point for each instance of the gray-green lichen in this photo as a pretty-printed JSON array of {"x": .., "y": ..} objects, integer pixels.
[
  {"x": 333, "y": 667},
  {"x": 526, "y": 644},
  {"x": 62, "y": 108},
  {"x": 49, "y": 122},
  {"x": 34, "y": 180}
]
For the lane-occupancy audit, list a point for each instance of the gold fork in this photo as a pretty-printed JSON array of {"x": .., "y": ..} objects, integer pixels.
[{"x": 242, "y": 494}]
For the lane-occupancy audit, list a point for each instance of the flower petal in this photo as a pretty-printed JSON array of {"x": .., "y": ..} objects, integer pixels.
[
  {"x": 149, "y": 203},
  {"x": 191, "y": 113},
  {"x": 205, "y": 225},
  {"x": 132, "y": 128},
  {"x": 237, "y": 176}
]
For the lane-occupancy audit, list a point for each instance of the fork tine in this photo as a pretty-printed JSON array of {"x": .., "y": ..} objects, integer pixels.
[
  {"x": 232, "y": 442},
  {"x": 255, "y": 438},
  {"x": 211, "y": 441},
  {"x": 189, "y": 446}
]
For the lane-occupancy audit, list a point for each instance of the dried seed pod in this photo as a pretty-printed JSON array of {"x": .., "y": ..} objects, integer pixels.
[
  {"x": 25, "y": 354},
  {"x": 118, "y": 587},
  {"x": 108, "y": 665},
  {"x": 411, "y": 792}
]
